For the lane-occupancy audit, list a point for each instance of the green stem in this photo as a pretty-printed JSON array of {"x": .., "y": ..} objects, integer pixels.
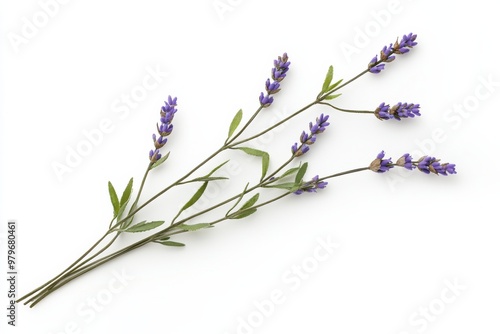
[{"x": 347, "y": 110}]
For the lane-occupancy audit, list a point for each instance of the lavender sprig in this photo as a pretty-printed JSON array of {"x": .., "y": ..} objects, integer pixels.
[
  {"x": 425, "y": 164},
  {"x": 278, "y": 73},
  {"x": 387, "y": 53},
  {"x": 311, "y": 186},
  {"x": 165, "y": 128},
  {"x": 397, "y": 111},
  {"x": 307, "y": 139}
]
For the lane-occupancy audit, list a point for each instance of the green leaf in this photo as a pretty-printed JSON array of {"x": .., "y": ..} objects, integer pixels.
[
  {"x": 334, "y": 85},
  {"x": 290, "y": 171},
  {"x": 243, "y": 214},
  {"x": 234, "y": 123},
  {"x": 195, "y": 197},
  {"x": 172, "y": 243},
  {"x": 216, "y": 168},
  {"x": 333, "y": 96},
  {"x": 286, "y": 185},
  {"x": 238, "y": 201},
  {"x": 129, "y": 221},
  {"x": 207, "y": 178},
  {"x": 328, "y": 79},
  {"x": 300, "y": 173},
  {"x": 126, "y": 193},
  {"x": 144, "y": 226},
  {"x": 160, "y": 161},
  {"x": 250, "y": 202},
  {"x": 194, "y": 227},
  {"x": 258, "y": 153},
  {"x": 114, "y": 199}
]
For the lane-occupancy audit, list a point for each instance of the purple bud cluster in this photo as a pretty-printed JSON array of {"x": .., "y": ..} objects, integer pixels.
[
  {"x": 307, "y": 139},
  {"x": 426, "y": 164},
  {"x": 387, "y": 52},
  {"x": 311, "y": 186},
  {"x": 397, "y": 111},
  {"x": 165, "y": 128},
  {"x": 278, "y": 73}
]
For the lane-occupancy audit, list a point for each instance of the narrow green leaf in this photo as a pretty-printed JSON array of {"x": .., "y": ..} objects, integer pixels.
[
  {"x": 144, "y": 226},
  {"x": 160, "y": 161},
  {"x": 290, "y": 171},
  {"x": 328, "y": 79},
  {"x": 172, "y": 243},
  {"x": 162, "y": 240},
  {"x": 126, "y": 193},
  {"x": 114, "y": 199},
  {"x": 235, "y": 122},
  {"x": 129, "y": 221},
  {"x": 194, "y": 227},
  {"x": 286, "y": 185},
  {"x": 333, "y": 96},
  {"x": 207, "y": 178},
  {"x": 195, "y": 197},
  {"x": 239, "y": 200},
  {"x": 250, "y": 202},
  {"x": 264, "y": 156},
  {"x": 334, "y": 85},
  {"x": 244, "y": 214},
  {"x": 301, "y": 173}
]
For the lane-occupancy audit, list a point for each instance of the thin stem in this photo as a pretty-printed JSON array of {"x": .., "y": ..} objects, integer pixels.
[
  {"x": 347, "y": 110},
  {"x": 229, "y": 141}
]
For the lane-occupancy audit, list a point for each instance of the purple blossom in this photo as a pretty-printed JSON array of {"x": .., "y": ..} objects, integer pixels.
[
  {"x": 374, "y": 66},
  {"x": 381, "y": 165},
  {"x": 429, "y": 165},
  {"x": 405, "y": 161},
  {"x": 311, "y": 186},
  {"x": 165, "y": 128},
  {"x": 397, "y": 111},
  {"x": 278, "y": 73},
  {"x": 387, "y": 53},
  {"x": 382, "y": 112},
  {"x": 310, "y": 138}
]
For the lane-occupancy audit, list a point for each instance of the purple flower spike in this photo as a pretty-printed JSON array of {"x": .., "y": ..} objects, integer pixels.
[
  {"x": 278, "y": 73},
  {"x": 165, "y": 127},
  {"x": 310, "y": 138},
  {"x": 311, "y": 186},
  {"x": 387, "y": 54},
  {"x": 381, "y": 165},
  {"x": 429, "y": 165},
  {"x": 397, "y": 111},
  {"x": 405, "y": 161}
]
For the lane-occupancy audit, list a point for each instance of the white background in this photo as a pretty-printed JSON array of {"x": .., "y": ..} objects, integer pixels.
[{"x": 403, "y": 237}]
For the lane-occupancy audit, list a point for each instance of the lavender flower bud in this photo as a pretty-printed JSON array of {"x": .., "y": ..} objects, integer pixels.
[
  {"x": 429, "y": 165},
  {"x": 397, "y": 111},
  {"x": 405, "y": 161},
  {"x": 373, "y": 67},
  {"x": 311, "y": 186},
  {"x": 380, "y": 165},
  {"x": 382, "y": 112}
]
